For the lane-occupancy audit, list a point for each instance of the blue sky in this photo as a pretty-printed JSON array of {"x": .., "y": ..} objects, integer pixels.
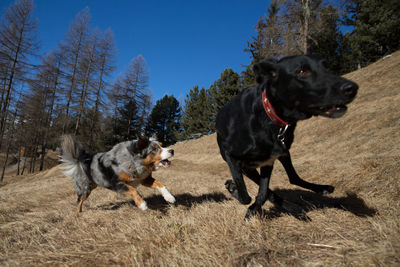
[{"x": 184, "y": 42}]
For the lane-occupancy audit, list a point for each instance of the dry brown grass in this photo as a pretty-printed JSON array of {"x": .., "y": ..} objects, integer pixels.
[{"x": 358, "y": 225}]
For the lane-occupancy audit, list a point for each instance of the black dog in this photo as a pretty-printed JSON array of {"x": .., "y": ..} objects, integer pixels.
[{"x": 256, "y": 127}]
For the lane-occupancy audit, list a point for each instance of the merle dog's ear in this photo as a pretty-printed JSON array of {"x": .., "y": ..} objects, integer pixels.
[
  {"x": 140, "y": 144},
  {"x": 153, "y": 137},
  {"x": 265, "y": 70}
]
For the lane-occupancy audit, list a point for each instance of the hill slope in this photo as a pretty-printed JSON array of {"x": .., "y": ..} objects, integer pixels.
[{"x": 358, "y": 225}]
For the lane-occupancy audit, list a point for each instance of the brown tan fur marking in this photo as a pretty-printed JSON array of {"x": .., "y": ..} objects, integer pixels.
[
  {"x": 93, "y": 186},
  {"x": 152, "y": 160},
  {"x": 151, "y": 182},
  {"x": 79, "y": 210},
  {"x": 134, "y": 194},
  {"x": 123, "y": 176}
]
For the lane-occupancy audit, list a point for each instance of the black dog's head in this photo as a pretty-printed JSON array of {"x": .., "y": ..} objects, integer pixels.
[{"x": 302, "y": 87}]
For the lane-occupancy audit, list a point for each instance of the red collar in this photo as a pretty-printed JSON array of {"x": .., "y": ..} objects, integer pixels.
[{"x": 271, "y": 112}]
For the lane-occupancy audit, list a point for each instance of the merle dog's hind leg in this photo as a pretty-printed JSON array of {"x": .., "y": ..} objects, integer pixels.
[
  {"x": 296, "y": 180},
  {"x": 80, "y": 200},
  {"x": 237, "y": 187},
  {"x": 83, "y": 195}
]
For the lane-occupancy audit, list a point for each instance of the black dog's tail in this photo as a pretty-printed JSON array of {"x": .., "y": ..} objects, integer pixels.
[{"x": 72, "y": 154}]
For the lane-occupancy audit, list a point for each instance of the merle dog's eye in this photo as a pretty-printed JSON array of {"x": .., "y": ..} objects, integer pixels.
[{"x": 155, "y": 149}]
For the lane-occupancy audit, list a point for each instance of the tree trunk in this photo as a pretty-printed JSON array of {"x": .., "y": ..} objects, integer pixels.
[
  {"x": 5, "y": 163},
  {"x": 82, "y": 103},
  {"x": 306, "y": 14},
  {"x": 9, "y": 141},
  {"x": 71, "y": 88},
  {"x": 97, "y": 103},
  {"x": 19, "y": 160}
]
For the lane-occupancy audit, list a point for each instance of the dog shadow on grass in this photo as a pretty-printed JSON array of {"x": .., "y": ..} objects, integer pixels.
[
  {"x": 157, "y": 202},
  {"x": 301, "y": 201},
  {"x": 308, "y": 201}
]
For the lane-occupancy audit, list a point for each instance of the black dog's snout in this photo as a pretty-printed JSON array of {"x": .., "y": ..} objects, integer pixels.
[
  {"x": 171, "y": 151},
  {"x": 349, "y": 89}
]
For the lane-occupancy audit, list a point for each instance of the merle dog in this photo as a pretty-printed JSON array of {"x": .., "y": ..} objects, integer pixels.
[{"x": 257, "y": 126}]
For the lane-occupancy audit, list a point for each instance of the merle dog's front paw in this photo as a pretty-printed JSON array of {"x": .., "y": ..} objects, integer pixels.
[{"x": 231, "y": 187}]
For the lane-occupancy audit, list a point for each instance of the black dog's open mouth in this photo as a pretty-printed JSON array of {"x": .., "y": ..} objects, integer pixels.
[{"x": 334, "y": 111}]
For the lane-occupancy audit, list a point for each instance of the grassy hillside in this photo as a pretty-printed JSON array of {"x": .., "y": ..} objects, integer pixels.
[{"x": 358, "y": 225}]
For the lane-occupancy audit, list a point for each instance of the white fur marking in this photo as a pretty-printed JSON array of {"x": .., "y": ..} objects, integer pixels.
[
  {"x": 167, "y": 195},
  {"x": 69, "y": 169},
  {"x": 165, "y": 154},
  {"x": 143, "y": 206}
]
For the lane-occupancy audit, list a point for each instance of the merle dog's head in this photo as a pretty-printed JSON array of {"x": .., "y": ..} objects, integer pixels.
[
  {"x": 302, "y": 87},
  {"x": 152, "y": 153}
]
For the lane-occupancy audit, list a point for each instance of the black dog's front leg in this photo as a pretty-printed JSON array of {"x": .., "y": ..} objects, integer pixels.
[
  {"x": 290, "y": 207},
  {"x": 263, "y": 192},
  {"x": 238, "y": 187},
  {"x": 296, "y": 180}
]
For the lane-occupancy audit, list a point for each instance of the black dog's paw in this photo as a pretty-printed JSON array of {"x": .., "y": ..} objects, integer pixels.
[
  {"x": 231, "y": 187},
  {"x": 245, "y": 200},
  {"x": 327, "y": 189},
  {"x": 252, "y": 211},
  {"x": 322, "y": 189}
]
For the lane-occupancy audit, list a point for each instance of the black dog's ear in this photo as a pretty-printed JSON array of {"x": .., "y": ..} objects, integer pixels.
[
  {"x": 140, "y": 144},
  {"x": 265, "y": 69}
]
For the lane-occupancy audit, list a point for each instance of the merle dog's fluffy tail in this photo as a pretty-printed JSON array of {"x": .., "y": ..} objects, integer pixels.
[{"x": 72, "y": 155}]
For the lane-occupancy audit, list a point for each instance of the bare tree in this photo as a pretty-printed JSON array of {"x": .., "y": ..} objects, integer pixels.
[
  {"x": 289, "y": 28},
  {"x": 17, "y": 43},
  {"x": 36, "y": 120},
  {"x": 105, "y": 65},
  {"x": 10, "y": 139},
  {"x": 72, "y": 47},
  {"x": 304, "y": 20},
  {"x": 52, "y": 73},
  {"x": 86, "y": 69},
  {"x": 135, "y": 89}
]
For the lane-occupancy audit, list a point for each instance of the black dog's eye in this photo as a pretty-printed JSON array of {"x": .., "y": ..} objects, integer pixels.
[{"x": 303, "y": 73}]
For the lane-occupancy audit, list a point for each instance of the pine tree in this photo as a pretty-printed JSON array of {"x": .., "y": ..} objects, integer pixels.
[
  {"x": 248, "y": 77},
  {"x": 224, "y": 89},
  {"x": 164, "y": 120},
  {"x": 327, "y": 43},
  {"x": 197, "y": 118},
  {"x": 376, "y": 29},
  {"x": 269, "y": 41},
  {"x": 128, "y": 124}
]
